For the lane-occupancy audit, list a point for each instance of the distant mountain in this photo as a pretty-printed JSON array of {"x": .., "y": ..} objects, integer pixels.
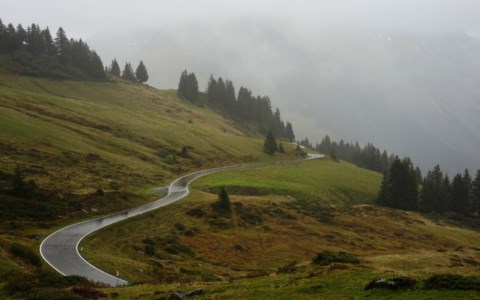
[{"x": 414, "y": 94}]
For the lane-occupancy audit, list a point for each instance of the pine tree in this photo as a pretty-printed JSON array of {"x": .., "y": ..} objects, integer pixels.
[
  {"x": 223, "y": 202},
  {"x": 476, "y": 193},
  {"x": 326, "y": 145},
  {"x": 21, "y": 37},
  {"x": 183, "y": 85},
  {"x": 243, "y": 100},
  {"x": 384, "y": 198},
  {"x": 115, "y": 68},
  {"x": 33, "y": 38},
  {"x": 280, "y": 148},
  {"x": 188, "y": 86},
  {"x": 128, "y": 72},
  {"x": 3, "y": 32},
  {"x": 141, "y": 73},
  {"x": 277, "y": 127},
  {"x": 385, "y": 162},
  {"x": 418, "y": 174},
  {"x": 461, "y": 194},
  {"x": 192, "y": 88},
  {"x": 434, "y": 195},
  {"x": 221, "y": 93},
  {"x": 49, "y": 47},
  {"x": 211, "y": 90},
  {"x": 289, "y": 132},
  {"x": 61, "y": 45},
  {"x": 333, "y": 155},
  {"x": 10, "y": 39},
  {"x": 230, "y": 100},
  {"x": 95, "y": 66},
  {"x": 270, "y": 144}
]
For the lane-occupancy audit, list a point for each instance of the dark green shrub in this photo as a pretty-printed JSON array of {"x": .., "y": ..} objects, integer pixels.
[
  {"x": 223, "y": 202},
  {"x": 18, "y": 283},
  {"x": 88, "y": 292},
  {"x": 453, "y": 282},
  {"x": 327, "y": 257},
  {"x": 395, "y": 283},
  {"x": 248, "y": 214},
  {"x": 149, "y": 249},
  {"x": 53, "y": 294},
  {"x": 291, "y": 267},
  {"x": 25, "y": 254},
  {"x": 180, "y": 226}
]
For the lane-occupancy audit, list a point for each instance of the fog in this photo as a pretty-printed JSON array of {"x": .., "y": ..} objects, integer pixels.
[{"x": 401, "y": 74}]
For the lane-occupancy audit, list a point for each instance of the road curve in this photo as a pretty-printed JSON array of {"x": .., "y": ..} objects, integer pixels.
[{"x": 60, "y": 249}]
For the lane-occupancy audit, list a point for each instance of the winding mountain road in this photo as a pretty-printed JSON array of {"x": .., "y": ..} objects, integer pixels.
[{"x": 60, "y": 249}]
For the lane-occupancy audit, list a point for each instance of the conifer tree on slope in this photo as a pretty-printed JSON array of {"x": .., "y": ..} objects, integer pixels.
[
  {"x": 476, "y": 193},
  {"x": 223, "y": 200},
  {"x": 141, "y": 73},
  {"x": 434, "y": 195},
  {"x": 461, "y": 194},
  {"x": 188, "y": 86},
  {"x": 192, "y": 87},
  {"x": 211, "y": 89},
  {"x": 128, "y": 72},
  {"x": 115, "y": 68},
  {"x": 289, "y": 132},
  {"x": 270, "y": 144},
  {"x": 61, "y": 44}
]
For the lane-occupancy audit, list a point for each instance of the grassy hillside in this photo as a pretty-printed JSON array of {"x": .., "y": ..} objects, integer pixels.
[
  {"x": 324, "y": 180},
  {"x": 96, "y": 147},
  {"x": 255, "y": 221},
  {"x": 132, "y": 133},
  {"x": 263, "y": 249},
  {"x": 75, "y": 138}
]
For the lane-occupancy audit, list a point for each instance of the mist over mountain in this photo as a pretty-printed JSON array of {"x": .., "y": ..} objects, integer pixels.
[{"x": 414, "y": 94}]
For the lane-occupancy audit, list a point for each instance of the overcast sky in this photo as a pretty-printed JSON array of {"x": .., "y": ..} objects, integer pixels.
[{"x": 87, "y": 17}]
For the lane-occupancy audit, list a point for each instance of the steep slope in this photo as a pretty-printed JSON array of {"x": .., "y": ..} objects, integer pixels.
[{"x": 82, "y": 135}]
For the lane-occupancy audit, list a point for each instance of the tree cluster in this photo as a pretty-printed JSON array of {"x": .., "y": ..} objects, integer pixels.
[
  {"x": 36, "y": 53},
  {"x": 433, "y": 193},
  {"x": 140, "y": 74},
  {"x": 245, "y": 106},
  {"x": 461, "y": 195},
  {"x": 188, "y": 86},
  {"x": 368, "y": 157},
  {"x": 399, "y": 187}
]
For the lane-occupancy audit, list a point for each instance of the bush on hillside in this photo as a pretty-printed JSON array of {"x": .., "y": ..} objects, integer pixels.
[
  {"x": 25, "y": 254},
  {"x": 223, "y": 202},
  {"x": 453, "y": 282},
  {"x": 395, "y": 283},
  {"x": 327, "y": 257},
  {"x": 88, "y": 292}
]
